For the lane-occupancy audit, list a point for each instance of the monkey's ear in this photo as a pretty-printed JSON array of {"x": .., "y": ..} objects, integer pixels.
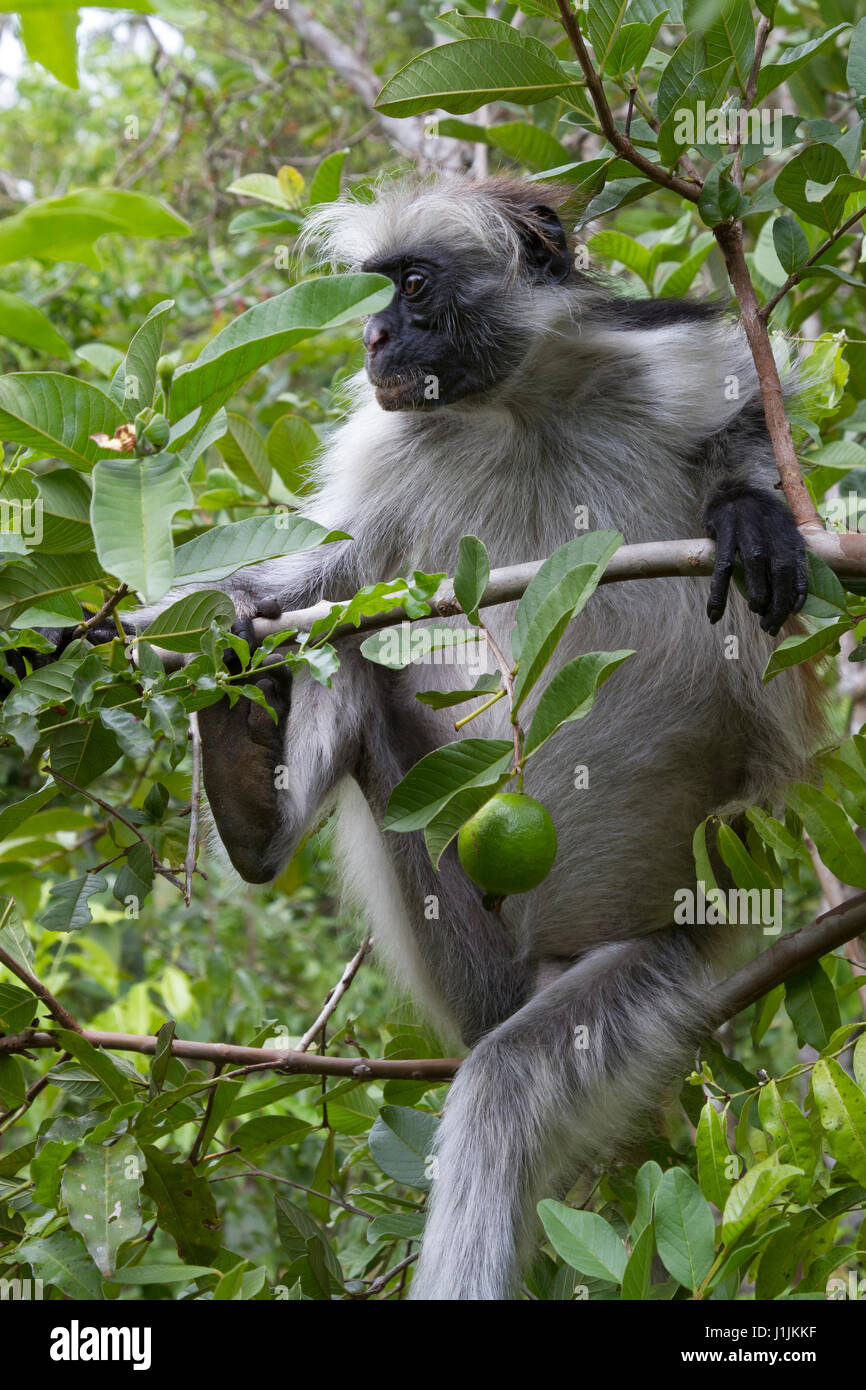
[{"x": 549, "y": 254}]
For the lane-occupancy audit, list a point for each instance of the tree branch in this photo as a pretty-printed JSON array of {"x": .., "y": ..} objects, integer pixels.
[
  {"x": 611, "y": 131},
  {"x": 408, "y": 135},
  {"x": 844, "y": 552},
  {"x": 772, "y": 967}
]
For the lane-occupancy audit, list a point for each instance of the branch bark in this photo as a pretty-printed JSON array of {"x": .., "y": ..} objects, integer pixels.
[{"x": 844, "y": 552}]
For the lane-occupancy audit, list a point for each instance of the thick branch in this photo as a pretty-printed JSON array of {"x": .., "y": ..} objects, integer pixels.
[
  {"x": 307, "y": 1063},
  {"x": 844, "y": 552},
  {"x": 779, "y": 962},
  {"x": 729, "y": 236}
]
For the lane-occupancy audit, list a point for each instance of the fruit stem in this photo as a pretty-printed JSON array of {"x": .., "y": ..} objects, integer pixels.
[
  {"x": 508, "y": 678},
  {"x": 480, "y": 710}
]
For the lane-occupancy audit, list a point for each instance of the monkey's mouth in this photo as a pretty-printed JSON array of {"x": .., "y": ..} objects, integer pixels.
[{"x": 398, "y": 391}]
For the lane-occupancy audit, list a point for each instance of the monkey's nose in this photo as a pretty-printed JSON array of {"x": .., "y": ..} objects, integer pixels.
[{"x": 375, "y": 339}]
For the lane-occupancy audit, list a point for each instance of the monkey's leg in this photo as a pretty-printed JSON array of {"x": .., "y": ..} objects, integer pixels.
[{"x": 565, "y": 1080}]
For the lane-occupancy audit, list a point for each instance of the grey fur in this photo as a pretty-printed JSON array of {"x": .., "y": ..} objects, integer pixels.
[{"x": 638, "y": 425}]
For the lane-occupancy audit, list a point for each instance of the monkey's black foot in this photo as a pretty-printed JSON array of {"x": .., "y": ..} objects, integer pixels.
[
  {"x": 243, "y": 625},
  {"x": 759, "y": 528},
  {"x": 60, "y": 638}
]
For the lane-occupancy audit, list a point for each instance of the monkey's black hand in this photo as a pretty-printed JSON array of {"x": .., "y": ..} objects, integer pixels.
[
  {"x": 60, "y": 638},
  {"x": 759, "y": 528},
  {"x": 242, "y": 752}
]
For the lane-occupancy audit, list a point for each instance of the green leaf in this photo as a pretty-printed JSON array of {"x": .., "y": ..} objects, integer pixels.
[
  {"x": 830, "y": 828},
  {"x": 65, "y": 229},
  {"x": 65, "y": 497},
  {"x": 185, "y": 1206},
  {"x": 160, "y": 1272},
  {"x": 684, "y": 1228},
  {"x": 325, "y": 187},
  {"x": 397, "y": 648},
  {"x": 815, "y": 169},
  {"x": 265, "y": 187},
  {"x": 135, "y": 380},
  {"x": 790, "y": 60},
  {"x": 290, "y": 445},
  {"x": 63, "y": 1263},
  {"x": 25, "y": 323},
  {"x": 99, "y": 1064},
  {"x": 812, "y": 1006},
  {"x": 842, "y": 1111},
  {"x": 472, "y": 575},
  {"x": 17, "y": 1008},
  {"x": 402, "y": 1142},
  {"x": 133, "y": 736},
  {"x": 134, "y": 501},
  {"x": 68, "y": 903},
  {"x": 792, "y": 1136},
  {"x": 637, "y": 1277},
  {"x": 50, "y": 38},
  {"x": 41, "y": 589},
  {"x": 269, "y": 329},
  {"x": 56, "y": 415},
  {"x": 714, "y": 1155},
  {"x": 223, "y": 549},
  {"x": 485, "y": 686},
  {"x": 856, "y": 72},
  {"x": 776, "y": 835},
  {"x": 440, "y": 831},
  {"x": 269, "y": 1132},
  {"x": 244, "y": 451},
  {"x": 431, "y": 783},
  {"x": 571, "y": 694},
  {"x": 180, "y": 627},
  {"x": 604, "y": 18},
  {"x": 800, "y": 647},
  {"x": 462, "y": 76},
  {"x": 556, "y": 594},
  {"x": 13, "y": 933},
  {"x": 100, "y": 1188},
  {"x": 584, "y": 1240},
  {"x": 82, "y": 752},
  {"x": 753, "y": 1193},
  {"x": 11, "y": 817},
  {"x": 731, "y": 38},
  {"x": 790, "y": 242}
]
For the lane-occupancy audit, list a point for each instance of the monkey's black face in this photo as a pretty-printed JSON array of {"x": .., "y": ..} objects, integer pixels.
[{"x": 438, "y": 340}]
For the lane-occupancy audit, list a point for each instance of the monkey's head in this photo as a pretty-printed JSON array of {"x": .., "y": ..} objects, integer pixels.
[{"x": 474, "y": 263}]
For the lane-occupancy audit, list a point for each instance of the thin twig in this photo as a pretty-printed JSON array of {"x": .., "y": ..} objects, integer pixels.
[
  {"x": 336, "y": 994},
  {"x": 195, "y": 806},
  {"x": 54, "y": 1007}
]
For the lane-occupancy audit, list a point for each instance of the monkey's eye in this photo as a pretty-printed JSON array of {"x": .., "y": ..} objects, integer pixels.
[{"x": 413, "y": 283}]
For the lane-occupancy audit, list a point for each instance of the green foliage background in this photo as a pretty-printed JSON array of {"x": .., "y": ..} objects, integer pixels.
[{"x": 292, "y": 1185}]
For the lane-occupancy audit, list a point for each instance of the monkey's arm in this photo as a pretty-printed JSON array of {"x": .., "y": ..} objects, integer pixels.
[{"x": 745, "y": 515}]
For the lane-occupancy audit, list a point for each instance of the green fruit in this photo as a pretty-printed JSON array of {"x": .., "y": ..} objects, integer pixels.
[{"x": 509, "y": 845}]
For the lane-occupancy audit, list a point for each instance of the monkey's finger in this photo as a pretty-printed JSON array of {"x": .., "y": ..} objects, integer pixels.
[
  {"x": 268, "y": 608},
  {"x": 724, "y": 568},
  {"x": 758, "y": 586},
  {"x": 784, "y": 580},
  {"x": 801, "y": 580}
]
